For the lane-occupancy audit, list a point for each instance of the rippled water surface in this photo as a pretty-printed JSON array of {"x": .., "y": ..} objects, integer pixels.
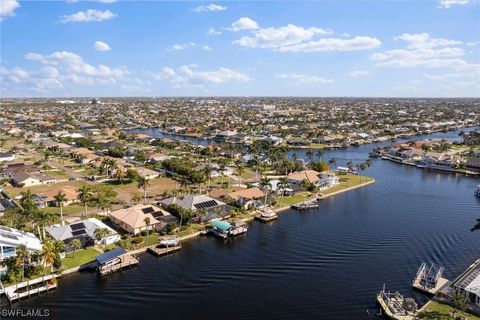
[{"x": 322, "y": 264}]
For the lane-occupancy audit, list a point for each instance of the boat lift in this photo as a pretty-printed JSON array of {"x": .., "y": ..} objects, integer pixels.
[{"x": 429, "y": 278}]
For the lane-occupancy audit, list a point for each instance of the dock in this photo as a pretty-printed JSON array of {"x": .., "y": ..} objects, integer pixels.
[
  {"x": 159, "y": 251},
  {"x": 429, "y": 278},
  {"x": 266, "y": 219},
  {"x": 30, "y": 288},
  {"x": 125, "y": 261}
]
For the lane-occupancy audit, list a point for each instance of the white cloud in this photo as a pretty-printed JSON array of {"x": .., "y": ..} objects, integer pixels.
[
  {"x": 73, "y": 63},
  {"x": 181, "y": 46},
  {"x": 279, "y": 37},
  {"x": 449, "y": 3},
  {"x": 186, "y": 76},
  {"x": 244, "y": 23},
  {"x": 7, "y": 8},
  {"x": 334, "y": 44},
  {"x": 303, "y": 78},
  {"x": 88, "y": 16},
  {"x": 210, "y": 7},
  {"x": 101, "y": 46},
  {"x": 422, "y": 50},
  {"x": 212, "y": 32},
  {"x": 206, "y": 48},
  {"x": 292, "y": 38},
  {"x": 425, "y": 41},
  {"x": 359, "y": 73}
]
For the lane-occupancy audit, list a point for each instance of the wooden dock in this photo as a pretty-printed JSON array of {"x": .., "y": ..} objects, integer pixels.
[
  {"x": 441, "y": 282},
  {"x": 127, "y": 261},
  {"x": 30, "y": 288},
  {"x": 163, "y": 251}
]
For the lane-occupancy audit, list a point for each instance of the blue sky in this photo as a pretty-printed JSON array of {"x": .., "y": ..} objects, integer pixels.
[{"x": 267, "y": 48}]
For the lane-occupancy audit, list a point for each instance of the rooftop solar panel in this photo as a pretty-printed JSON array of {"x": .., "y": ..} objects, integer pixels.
[
  {"x": 78, "y": 232},
  {"x": 77, "y": 226},
  {"x": 206, "y": 204},
  {"x": 148, "y": 210}
]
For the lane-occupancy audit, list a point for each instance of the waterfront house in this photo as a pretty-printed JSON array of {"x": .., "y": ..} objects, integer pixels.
[
  {"x": 11, "y": 238},
  {"x": 473, "y": 163},
  {"x": 212, "y": 208},
  {"x": 248, "y": 198},
  {"x": 83, "y": 230},
  {"x": 469, "y": 284},
  {"x": 133, "y": 220}
]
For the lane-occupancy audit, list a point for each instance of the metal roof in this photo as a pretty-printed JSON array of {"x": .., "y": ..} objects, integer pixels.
[
  {"x": 221, "y": 225},
  {"x": 110, "y": 255}
]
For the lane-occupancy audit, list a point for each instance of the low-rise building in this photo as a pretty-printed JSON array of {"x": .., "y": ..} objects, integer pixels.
[
  {"x": 11, "y": 238},
  {"x": 138, "y": 218}
]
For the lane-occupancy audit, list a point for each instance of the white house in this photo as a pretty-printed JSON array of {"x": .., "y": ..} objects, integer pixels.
[
  {"x": 11, "y": 238},
  {"x": 7, "y": 156}
]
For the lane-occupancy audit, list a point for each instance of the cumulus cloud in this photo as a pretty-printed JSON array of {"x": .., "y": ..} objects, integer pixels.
[
  {"x": 292, "y": 38},
  {"x": 187, "y": 75},
  {"x": 181, "y": 46},
  {"x": 359, "y": 73},
  {"x": 279, "y": 37},
  {"x": 212, "y": 32},
  {"x": 101, "y": 46},
  {"x": 7, "y": 8},
  {"x": 206, "y": 48},
  {"x": 449, "y": 3},
  {"x": 303, "y": 78},
  {"x": 88, "y": 16},
  {"x": 210, "y": 7},
  {"x": 244, "y": 23},
  {"x": 422, "y": 50}
]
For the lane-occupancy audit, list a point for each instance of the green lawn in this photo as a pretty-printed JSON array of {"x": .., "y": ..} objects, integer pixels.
[
  {"x": 57, "y": 174},
  {"x": 67, "y": 210},
  {"x": 193, "y": 228},
  {"x": 289, "y": 200},
  {"x": 82, "y": 256},
  {"x": 438, "y": 311},
  {"x": 347, "y": 181}
]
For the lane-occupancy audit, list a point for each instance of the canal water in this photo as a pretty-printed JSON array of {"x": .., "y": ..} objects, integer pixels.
[{"x": 327, "y": 263}]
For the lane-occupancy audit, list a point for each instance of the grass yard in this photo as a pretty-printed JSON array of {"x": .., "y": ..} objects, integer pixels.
[
  {"x": 438, "y": 311},
  {"x": 347, "y": 181},
  {"x": 289, "y": 200},
  {"x": 82, "y": 256},
  {"x": 157, "y": 187},
  {"x": 192, "y": 228},
  {"x": 57, "y": 174},
  {"x": 43, "y": 188},
  {"x": 73, "y": 208}
]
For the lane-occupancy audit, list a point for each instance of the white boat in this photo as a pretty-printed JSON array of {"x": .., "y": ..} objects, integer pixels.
[
  {"x": 267, "y": 215},
  {"x": 395, "y": 306},
  {"x": 169, "y": 243}
]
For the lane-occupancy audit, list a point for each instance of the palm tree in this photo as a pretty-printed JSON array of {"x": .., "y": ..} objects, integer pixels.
[
  {"x": 22, "y": 256},
  {"x": 76, "y": 244},
  {"x": 207, "y": 171},
  {"x": 460, "y": 301},
  {"x": 27, "y": 201},
  {"x": 147, "y": 222},
  {"x": 49, "y": 251},
  {"x": 104, "y": 203},
  {"x": 240, "y": 171},
  {"x": 143, "y": 183},
  {"x": 119, "y": 174},
  {"x": 283, "y": 184},
  {"x": 266, "y": 185},
  {"x": 85, "y": 195},
  {"x": 332, "y": 162},
  {"x": 101, "y": 233},
  {"x": 43, "y": 218},
  {"x": 60, "y": 198},
  {"x": 136, "y": 198}
]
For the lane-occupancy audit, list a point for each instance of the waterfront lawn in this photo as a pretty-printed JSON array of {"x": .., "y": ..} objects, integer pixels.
[
  {"x": 82, "y": 256},
  {"x": 190, "y": 229},
  {"x": 439, "y": 311},
  {"x": 290, "y": 200},
  {"x": 345, "y": 182}
]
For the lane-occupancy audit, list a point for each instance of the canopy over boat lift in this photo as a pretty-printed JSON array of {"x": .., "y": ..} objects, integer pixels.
[{"x": 429, "y": 278}]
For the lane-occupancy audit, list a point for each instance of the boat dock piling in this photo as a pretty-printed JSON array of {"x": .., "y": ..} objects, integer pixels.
[{"x": 24, "y": 289}]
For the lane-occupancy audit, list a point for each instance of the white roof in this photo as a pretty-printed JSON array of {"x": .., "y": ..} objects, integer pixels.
[
  {"x": 13, "y": 238},
  {"x": 474, "y": 286}
]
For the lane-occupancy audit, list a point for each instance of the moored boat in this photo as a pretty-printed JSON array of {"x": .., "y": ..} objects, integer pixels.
[
  {"x": 267, "y": 216},
  {"x": 395, "y": 306}
]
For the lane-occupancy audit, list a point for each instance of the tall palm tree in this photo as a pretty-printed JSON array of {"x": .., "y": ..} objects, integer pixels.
[
  {"x": 309, "y": 155},
  {"x": 85, "y": 196},
  {"x": 136, "y": 198},
  {"x": 283, "y": 184},
  {"x": 104, "y": 203},
  {"x": 48, "y": 253},
  {"x": 43, "y": 218},
  {"x": 320, "y": 154},
  {"x": 119, "y": 174},
  {"x": 60, "y": 198},
  {"x": 240, "y": 171},
  {"x": 143, "y": 183},
  {"x": 23, "y": 256},
  {"x": 27, "y": 201},
  {"x": 207, "y": 171},
  {"x": 76, "y": 244},
  {"x": 266, "y": 185}
]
